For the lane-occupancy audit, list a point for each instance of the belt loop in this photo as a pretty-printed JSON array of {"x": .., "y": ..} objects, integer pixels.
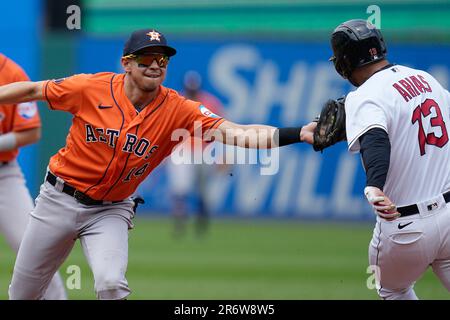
[
  {"x": 59, "y": 184},
  {"x": 48, "y": 172}
]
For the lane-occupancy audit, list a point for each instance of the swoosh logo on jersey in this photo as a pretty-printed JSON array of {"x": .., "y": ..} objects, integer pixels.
[
  {"x": 401, "y": 226},
  {"x": 104, "y": 107}
]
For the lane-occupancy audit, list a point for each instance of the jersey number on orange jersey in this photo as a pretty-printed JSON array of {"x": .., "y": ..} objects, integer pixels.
[{"x": 135, "y": 173}]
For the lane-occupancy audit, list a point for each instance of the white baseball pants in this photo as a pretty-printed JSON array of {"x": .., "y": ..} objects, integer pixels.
[{"x": 403, "y": 249}]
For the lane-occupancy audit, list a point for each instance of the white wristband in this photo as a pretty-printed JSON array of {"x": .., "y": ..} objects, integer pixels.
[{"x": 8, "y": 141}]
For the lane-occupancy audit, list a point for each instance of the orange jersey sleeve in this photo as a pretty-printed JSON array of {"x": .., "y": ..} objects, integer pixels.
[
  {"x": 66, "y": 94},
  {"x": 18, "y": 117},
  {"x": 26, "y": 116},
  {"x": 195, "y": 116},
  {"x": 198, "y": 120},
  {"x": 211, "y": 102}
]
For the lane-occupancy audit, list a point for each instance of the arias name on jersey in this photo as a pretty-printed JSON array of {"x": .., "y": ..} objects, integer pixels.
[{"x": 412, "y": 86}]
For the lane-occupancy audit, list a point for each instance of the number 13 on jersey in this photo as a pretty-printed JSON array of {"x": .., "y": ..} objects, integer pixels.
[{"x": 424, "y": 110}]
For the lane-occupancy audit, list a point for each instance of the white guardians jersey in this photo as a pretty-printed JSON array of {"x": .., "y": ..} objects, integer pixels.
[{"x": 413, "y": 108}]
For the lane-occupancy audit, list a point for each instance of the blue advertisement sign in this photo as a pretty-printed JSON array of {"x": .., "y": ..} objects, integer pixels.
[{"x": 274, "y": 83}]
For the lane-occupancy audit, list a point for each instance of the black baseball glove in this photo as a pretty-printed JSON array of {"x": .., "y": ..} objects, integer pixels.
[{"x": 330, "y": 124}]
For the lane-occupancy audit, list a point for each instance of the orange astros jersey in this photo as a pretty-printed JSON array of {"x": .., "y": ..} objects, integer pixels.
[
  {"x": 18, "y": 117},
  {"x": 111, "y": 148},
  {"x": 211, "y": 104}
]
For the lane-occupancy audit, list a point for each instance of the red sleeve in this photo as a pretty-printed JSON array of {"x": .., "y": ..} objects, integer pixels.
[{"x": 66, "y": 94}]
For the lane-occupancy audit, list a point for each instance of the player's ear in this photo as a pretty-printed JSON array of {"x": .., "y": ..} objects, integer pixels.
[{"x": 126, "y": 64}]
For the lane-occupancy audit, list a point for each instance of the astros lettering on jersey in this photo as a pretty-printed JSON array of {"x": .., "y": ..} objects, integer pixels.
[{"x": 111, "y": 147}]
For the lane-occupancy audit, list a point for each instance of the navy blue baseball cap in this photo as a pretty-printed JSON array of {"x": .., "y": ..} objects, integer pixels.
[{"x": 147, "y": 38}]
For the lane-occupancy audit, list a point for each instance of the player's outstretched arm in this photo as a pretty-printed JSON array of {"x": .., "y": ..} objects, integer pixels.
[
  {"x": 27, "y": 137},
  {"x": 260, "y": 136},
  {"x": 22, "y": 91},
  {"x": 12, "y": 140}
]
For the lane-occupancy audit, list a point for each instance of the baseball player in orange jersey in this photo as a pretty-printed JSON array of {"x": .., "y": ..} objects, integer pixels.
[
  {"x": 20, "y": 125},
  {"x": 122, "y": 128}
]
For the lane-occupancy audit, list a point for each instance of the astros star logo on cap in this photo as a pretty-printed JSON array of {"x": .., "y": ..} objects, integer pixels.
[{"x": 154, "y": 35}]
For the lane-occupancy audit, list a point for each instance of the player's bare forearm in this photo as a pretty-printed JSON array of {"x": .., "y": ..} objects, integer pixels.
[
  {"x": 255, "y": 136},
  {"x": 27, "y": 137},
  {"x": 12, "y": 140},
  {"x": 246, "y": 136},
  {"x": 22, "y": 91}
]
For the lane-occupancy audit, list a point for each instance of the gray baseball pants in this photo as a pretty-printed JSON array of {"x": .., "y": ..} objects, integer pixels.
[
  {"x": 15, "y": 207},
  {"x": 57, "y": 221}
]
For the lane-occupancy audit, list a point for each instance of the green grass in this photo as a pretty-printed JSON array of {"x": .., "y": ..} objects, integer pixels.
[{"x": 241, "y": 259}]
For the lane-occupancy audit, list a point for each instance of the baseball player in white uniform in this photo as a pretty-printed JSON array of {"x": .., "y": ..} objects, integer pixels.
[
  {"x": 398, "y": 118},
  {"x": 19, "y": 125}
]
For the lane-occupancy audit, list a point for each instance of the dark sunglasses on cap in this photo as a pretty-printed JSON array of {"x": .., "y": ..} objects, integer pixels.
[{"x": 146, "y": 60}]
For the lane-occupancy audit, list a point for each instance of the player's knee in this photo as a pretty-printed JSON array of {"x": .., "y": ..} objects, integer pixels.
[{"x": 111, "y": 286}]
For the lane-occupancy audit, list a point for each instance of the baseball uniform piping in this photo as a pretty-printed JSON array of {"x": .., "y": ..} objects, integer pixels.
[
  {"x": 214, "y": 124},
  {"x": 46, "y": 97},
  {"x": 121, "y": 173},
  {"x": 115, "y": 146},
  {"x": 378, "y": 251},
  {"x": 126, "y": 162},
  {"x": 157, "y": 107}
]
